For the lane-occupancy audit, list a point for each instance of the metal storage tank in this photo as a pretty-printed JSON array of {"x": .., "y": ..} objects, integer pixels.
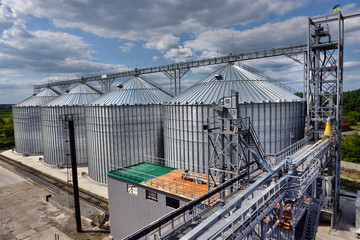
[
  {"x": 54, "y": 134},
  {"x": 124, "y": 125},
  {"x": 277, "y": 115},
  {"x": 27, "y": 124}
]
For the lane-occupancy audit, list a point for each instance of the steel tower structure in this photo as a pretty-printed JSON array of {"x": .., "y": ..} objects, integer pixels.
[{"x": 324, "y": 86}]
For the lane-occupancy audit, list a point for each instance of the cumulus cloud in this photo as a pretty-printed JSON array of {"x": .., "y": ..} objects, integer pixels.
[
  {"x": 180, "y": 54},
  {"x": 146, "y": 20},
  {"x": 269, "y": 35},
  {"x": 47, "y": 52},
  {"x": 127, "y": 47},
  {"x": 164, "y": 43},
  {"x": 9, "y": 17}
]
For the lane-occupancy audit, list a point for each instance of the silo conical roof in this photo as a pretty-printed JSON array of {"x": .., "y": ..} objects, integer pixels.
[
  {"x": 79, "y": 95},
  {"x": 44, "y": 96},
  {"x": 252, "y": 88},
  {"x": 133, "y": 91}
]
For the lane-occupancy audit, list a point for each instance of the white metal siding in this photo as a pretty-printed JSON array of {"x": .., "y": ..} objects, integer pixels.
[{"x": 132, "y": 212}]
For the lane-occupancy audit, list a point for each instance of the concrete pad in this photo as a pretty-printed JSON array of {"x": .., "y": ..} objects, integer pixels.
[
  {"x": 7, "y": 177},
  {"x": 28, "y": 215},
  {"x": 85, "y": 182},
  {"x": 345, "y": 227}
]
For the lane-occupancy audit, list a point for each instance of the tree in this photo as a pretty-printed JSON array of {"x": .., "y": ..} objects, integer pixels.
[
  {"x": 351, "y": 101},
  {"x": 8, "y": 130},
  {"x": 299, "y": 94},
  {"x": 350, "y": 148}
]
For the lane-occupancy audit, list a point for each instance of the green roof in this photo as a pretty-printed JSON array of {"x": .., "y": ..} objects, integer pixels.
[{"x": 140, "y": 172}]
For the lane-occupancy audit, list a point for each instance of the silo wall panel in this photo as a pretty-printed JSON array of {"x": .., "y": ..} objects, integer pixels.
[
  {"x": 186, "y": 143},
  {"x": 27, "y": 130},
  {"x": 55, "y": 134},
  {"x": 117, "y": 136}
]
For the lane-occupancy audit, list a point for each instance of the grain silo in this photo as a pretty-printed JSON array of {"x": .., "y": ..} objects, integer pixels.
[
  {"x": 277, "y": 115},
  {"x": 124, "y": 125},
  {"x": 54, "y": 135},
  {"x": 27, "y": 124}
]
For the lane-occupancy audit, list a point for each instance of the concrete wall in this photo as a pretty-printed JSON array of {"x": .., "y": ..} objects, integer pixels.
[
  {"x": 129, "y": 212},
  {"x": 357, "y": 205},
  {"x": 350, "y": 165}
]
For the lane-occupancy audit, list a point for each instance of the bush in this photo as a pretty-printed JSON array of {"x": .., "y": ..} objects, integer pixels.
[
  {"x": 8, "y": 130},
  {"x": 354, "y": 117},
  {"x": 350, "y": 148}
]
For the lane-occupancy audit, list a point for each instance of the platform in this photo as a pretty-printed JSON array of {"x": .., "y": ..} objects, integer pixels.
[{"x": 164, "y": 179}]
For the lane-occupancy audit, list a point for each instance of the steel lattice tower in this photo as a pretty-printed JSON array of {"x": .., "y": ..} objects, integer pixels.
[{"x": 324, "y": 87}]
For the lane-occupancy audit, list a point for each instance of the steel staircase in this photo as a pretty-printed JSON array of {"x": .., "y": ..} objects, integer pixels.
[
  {"x": 312, "y": 219},
  {"x": 250, "y": 137}
]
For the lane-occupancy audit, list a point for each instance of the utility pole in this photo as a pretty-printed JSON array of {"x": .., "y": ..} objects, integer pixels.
[{"x": 74, "y": 173}]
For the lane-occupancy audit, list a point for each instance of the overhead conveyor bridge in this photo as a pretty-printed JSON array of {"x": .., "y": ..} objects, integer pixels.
[{"x": 270, "y": 200}]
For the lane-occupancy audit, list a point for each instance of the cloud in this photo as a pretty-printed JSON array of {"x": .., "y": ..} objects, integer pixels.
[
  {"x": 8, "y": 17},
  {"x": 155, "y": 58},
  {"x": 268, "y": 35},
  {"x": 164, "y": 43},
  {"x": 127, "y": 47},
  {"x": 180, "y": 54},
  {"x": 47, "y": 52},
  {"x": 351, "y": 65},
  {"x": 148, "y": 20}
]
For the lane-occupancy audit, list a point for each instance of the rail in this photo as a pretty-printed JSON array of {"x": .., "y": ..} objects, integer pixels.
[
  {"x": 243, "y": 220},
  {"x": 275, "y": 159},
  {"x": 163, "y": 183},
  {"x": 163, "y": 162},
  {"x": 311, "y": 165},
  {"x": 185, "y": 65},
  {"x": 55, "y": 183},
  {"x": 182, "y": 217}
]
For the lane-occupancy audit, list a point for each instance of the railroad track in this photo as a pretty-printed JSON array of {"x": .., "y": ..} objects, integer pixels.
[{"x": 55, "y": 183}]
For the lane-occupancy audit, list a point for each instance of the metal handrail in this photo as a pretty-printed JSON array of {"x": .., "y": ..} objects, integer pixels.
[
  {"x": 280, "y": 156},
  {"x": 197, "y": 63},
  {"x": 160, "y": 182}
]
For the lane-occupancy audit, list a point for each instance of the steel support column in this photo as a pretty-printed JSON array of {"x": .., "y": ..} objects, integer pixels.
[
  {"x": 175, "y": 76},
  {"x": 106, "y": 84},
  {"x": 64, "y": 87}
]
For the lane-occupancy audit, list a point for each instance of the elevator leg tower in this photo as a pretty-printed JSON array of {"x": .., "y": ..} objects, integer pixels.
[{"x": 324, "y": 86}]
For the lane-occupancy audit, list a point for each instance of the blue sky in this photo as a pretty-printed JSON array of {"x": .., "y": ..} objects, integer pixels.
[{"x": 50, "y": 40}]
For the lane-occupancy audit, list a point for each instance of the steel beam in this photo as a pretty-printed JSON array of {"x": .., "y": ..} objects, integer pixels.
[{"x": 186, "y": 65}]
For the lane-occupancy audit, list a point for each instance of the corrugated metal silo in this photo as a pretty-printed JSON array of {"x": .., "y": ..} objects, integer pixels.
[
  {"x": 123, "y": 125},
  {"x": 277, "y": 115},
  {"x": 27, "y": 124},
  {"x": 72, "y": 102}
]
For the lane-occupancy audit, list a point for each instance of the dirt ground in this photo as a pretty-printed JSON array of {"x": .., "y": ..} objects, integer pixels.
[{"x": 350, "y": 180}]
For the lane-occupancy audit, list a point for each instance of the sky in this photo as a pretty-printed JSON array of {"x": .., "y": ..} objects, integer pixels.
[{"x": 44, "y": 41}]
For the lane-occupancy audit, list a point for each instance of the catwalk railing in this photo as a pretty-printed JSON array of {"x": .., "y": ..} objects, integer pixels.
[
  {"x": 240, "y": 222},
  {"x": 186, "y": 65}
]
